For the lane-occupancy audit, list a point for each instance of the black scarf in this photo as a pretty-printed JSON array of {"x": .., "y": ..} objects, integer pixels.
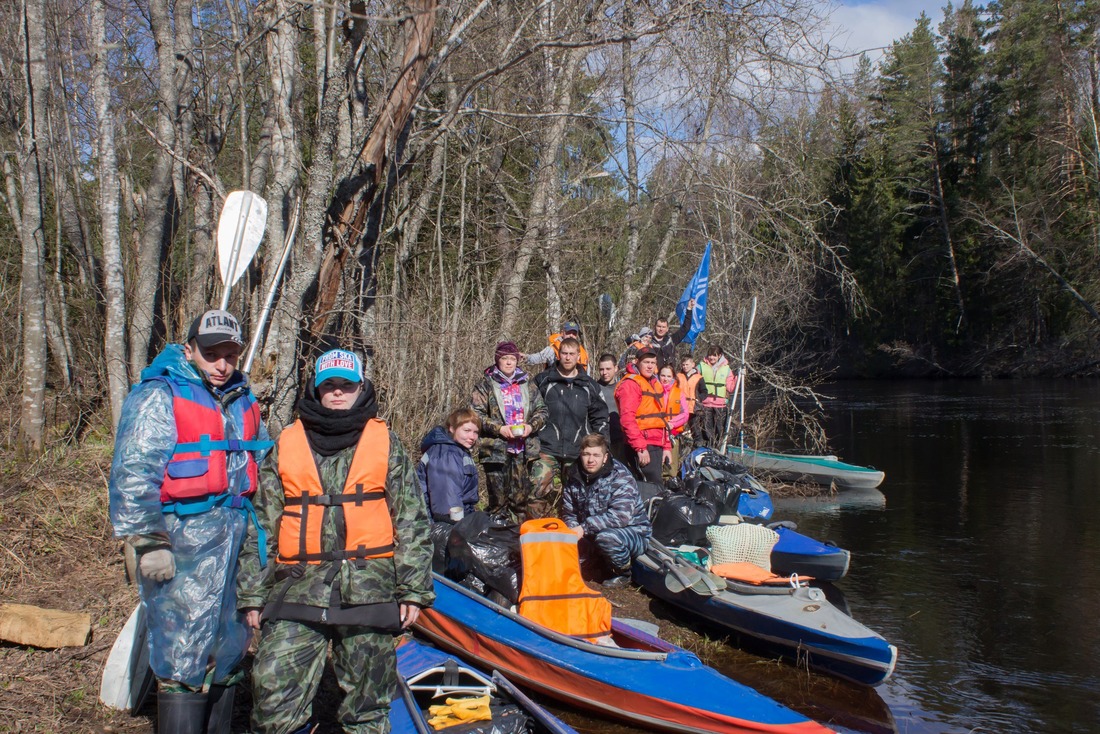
[{"x": 331, "y": 431}]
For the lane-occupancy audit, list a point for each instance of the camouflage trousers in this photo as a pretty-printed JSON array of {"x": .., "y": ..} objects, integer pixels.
[
  {"x": 614, "y": 547},
  {"x": 546, "y": 500},
  {"x": 507, "y": 486},
  {"x": 287, "y": 672}
]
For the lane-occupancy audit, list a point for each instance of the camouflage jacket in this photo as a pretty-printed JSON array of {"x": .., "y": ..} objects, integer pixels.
[
  {"x": 406, "y": 577},
  {"x": 486, "y": 402}
]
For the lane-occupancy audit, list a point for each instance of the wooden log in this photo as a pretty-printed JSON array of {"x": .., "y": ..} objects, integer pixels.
[{"x": 28, "y": 625}]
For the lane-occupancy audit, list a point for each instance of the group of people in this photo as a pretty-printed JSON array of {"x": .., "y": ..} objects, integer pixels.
[
  {"x": 321, "y": 537},
  {"x": 324, "y": 536}
]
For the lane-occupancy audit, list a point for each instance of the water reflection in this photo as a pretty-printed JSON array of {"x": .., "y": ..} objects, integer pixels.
[
  {"x": 983, "y": 566},
  {"x": 979, "y": 558}
]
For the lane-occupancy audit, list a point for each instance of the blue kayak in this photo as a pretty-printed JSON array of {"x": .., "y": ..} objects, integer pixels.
[
  {"x": 795, "y": 553},
  {"x": 428, "y": 677},
  {"x": 641, "y": 678}
]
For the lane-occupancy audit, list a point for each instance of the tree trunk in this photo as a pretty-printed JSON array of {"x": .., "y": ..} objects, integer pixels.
[
  {"x": 34, "y": 138},
  {"x": 114, "y": 288},
  {"x": 306, "y": 261},
  {"x": 160, "y": 203},
  {"x": 351, "y": 227},
  {"x": 282, "y": 46},
  {"x": 546, "y": 178}
]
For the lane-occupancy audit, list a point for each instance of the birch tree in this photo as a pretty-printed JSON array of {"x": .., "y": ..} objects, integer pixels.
[
  {"x": 32, "y": 231},
  {"x": 114, "y": 287}
]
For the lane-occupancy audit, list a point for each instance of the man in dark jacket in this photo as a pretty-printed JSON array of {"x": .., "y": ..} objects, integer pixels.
[
  {"x": 575, "y": 408},
  {"x": 665, "y": 343}
]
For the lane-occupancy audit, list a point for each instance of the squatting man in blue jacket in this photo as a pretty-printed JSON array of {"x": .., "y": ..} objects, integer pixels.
[{"x": 185, "y": 463}]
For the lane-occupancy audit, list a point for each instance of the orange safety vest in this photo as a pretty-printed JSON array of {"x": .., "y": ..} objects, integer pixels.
[
  {"x": 651, "y": 409},
  {"x": 553, "y": 593},
  {"x": 582, "y": 360},
  {"x": 671, "y": 405},
  {"x": 689, "y": 387},
  {"x": 368, "y": 528}
]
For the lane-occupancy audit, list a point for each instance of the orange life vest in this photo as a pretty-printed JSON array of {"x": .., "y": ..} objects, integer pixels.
[
  {"x": 689, "y": 387},
  {"x": 651, "y": 409},
  {"x": 582, "y": 360},
  {"x": 368, "y": 529},
  {"x": 553, "y": 593},
  {"x": 671, "y": 404}
]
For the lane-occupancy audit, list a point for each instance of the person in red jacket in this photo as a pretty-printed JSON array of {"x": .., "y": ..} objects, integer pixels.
[{"x": 645, "y": 429}]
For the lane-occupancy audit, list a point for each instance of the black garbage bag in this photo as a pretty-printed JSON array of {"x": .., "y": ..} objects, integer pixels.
[
  {"x": 722, "y": 493},
  {"x": 683, "y": 520},
  {"x": 440, "y": 533},
  {"x": 715, "y": 460},
  {"x": 486, "y": 548}
]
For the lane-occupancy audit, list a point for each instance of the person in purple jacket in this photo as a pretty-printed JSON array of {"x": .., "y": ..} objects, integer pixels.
[{"x": 446, "y": 469}]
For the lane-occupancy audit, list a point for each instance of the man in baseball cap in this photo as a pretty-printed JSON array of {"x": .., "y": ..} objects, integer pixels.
[
  {"x": 187, "y": 453},
  {"x": 550, "y": 354},
  {"x": 214, "y": 346},
  {"x": 215, "y": 327}
]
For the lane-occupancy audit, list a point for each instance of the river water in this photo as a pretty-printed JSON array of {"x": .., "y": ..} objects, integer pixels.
[{"x": 980, "y": 557}]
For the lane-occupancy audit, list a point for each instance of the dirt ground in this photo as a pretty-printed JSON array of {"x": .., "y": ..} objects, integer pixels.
[{"x": 57, "y": 551}]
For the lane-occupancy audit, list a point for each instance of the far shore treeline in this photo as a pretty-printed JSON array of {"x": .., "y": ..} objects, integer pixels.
[{"x": 470, "y": 171}]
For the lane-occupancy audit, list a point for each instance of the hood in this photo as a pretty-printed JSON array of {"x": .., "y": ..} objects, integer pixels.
[
  {"x": 493, "y": 373},
  {"x": 436, "y": 437},
  {"x": 172, "y": 363},
  {"x": 578, "y": 472}
]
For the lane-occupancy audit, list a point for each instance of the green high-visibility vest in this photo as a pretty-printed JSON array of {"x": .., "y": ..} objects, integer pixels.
[{"x": 715, "y": 379}]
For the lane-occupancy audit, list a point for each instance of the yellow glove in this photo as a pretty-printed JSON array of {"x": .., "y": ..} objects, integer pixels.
[
  {"x": 442, "y": 722},
  {"x": 470, "y": 709}
]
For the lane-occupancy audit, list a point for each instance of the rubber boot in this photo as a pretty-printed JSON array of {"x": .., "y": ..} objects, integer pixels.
[
  {"x": 219, "y": 709},
  {"x": 181, "y": 713}
]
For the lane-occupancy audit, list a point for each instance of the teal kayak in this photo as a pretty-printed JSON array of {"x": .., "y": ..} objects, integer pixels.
[{"x": 818, "y": 469}]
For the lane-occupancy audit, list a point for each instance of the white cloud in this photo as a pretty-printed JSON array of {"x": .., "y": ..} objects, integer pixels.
[{"x": 873, "y": 25}]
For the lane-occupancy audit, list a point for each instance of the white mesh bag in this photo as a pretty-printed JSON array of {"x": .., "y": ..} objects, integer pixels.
[{"x": 740, "y": 543}]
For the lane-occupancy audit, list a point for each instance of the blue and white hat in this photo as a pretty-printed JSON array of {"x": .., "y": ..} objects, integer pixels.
[{"x": 339, "y": 363}]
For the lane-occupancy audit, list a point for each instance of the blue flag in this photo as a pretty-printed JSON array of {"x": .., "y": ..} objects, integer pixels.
[{"x": 697, "y": 289}]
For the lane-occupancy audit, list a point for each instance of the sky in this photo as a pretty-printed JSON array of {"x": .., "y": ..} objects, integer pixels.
[{"x": 870, "y": 24}]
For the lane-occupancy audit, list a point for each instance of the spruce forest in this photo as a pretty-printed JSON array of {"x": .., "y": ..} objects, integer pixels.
[{"x": 466, "y": 171}]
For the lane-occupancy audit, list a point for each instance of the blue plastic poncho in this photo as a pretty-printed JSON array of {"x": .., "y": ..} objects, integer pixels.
[{"x": 193, "y": 620}]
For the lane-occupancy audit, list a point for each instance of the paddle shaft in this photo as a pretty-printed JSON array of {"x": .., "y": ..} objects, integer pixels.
[
  {"x": 258, "y": 330},
  {"x": 739, "y": 388}
]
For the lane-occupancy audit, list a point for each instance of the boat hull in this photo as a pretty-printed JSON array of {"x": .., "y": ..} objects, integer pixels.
[
  {"x": 798, "y": 624},
  {"x": 818, "y": 469},
  {"x": 651, "y": 683}
]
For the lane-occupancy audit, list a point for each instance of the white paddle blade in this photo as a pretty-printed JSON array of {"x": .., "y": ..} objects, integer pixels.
[
  {"x": 240, "y": 230},
  {"x": 127, "y": 666}
]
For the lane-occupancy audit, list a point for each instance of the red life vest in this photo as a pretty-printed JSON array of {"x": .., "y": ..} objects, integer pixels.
[
  {"x": 368, "y": 527},
  {"x": 554, "y": 594},
  {"x": 197, "y": 468}
]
